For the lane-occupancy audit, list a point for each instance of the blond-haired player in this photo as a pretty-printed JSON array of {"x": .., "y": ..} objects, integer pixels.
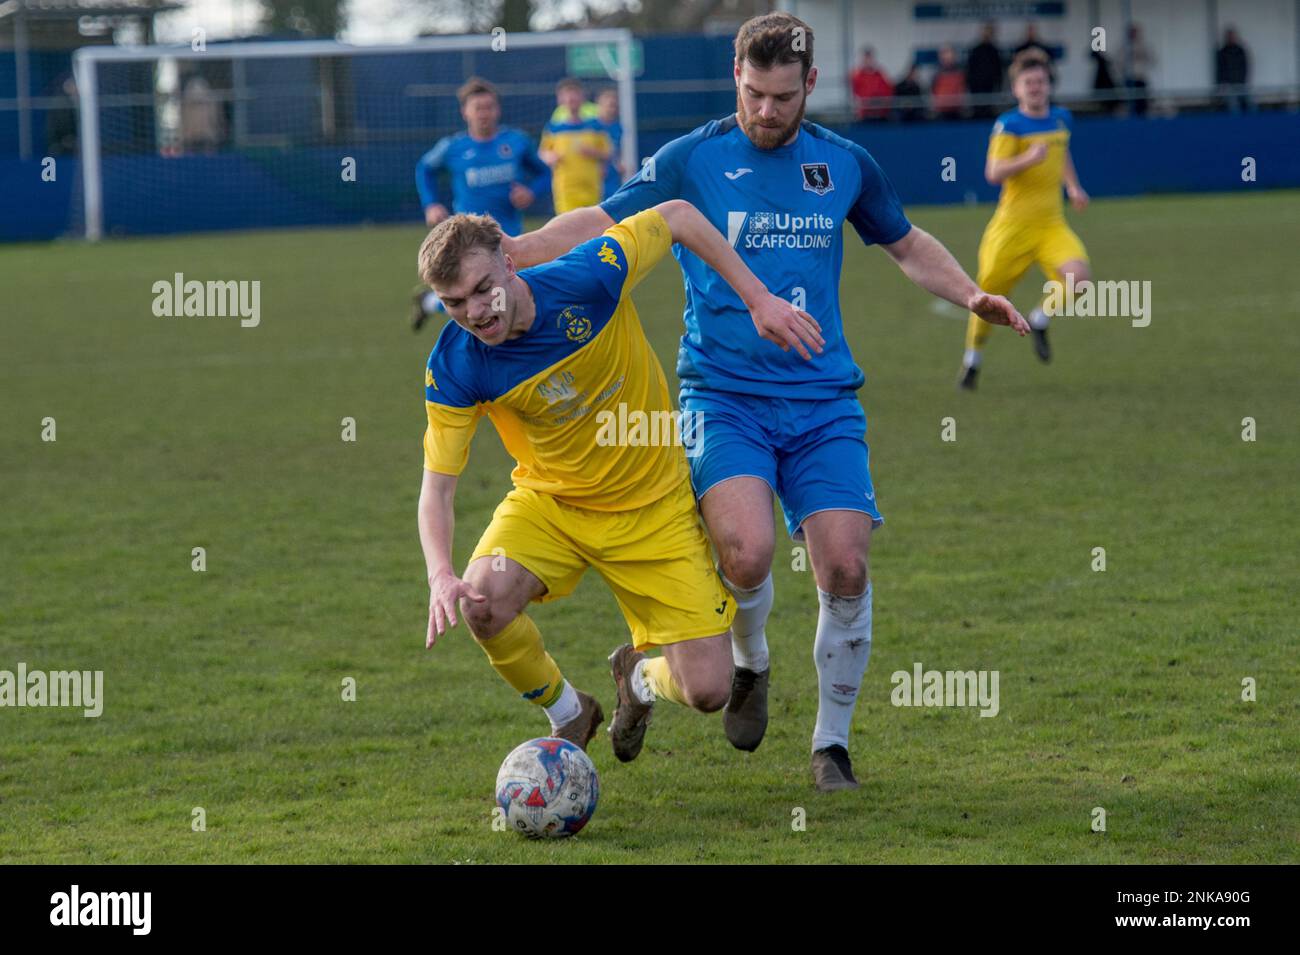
[{"x": 555, "y": 356}]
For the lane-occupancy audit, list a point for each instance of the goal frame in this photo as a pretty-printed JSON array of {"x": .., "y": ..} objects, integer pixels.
[{"x": 86, "y": 60}]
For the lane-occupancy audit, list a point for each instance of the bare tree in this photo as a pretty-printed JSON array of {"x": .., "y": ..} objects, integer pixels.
[{"x": 313, "y": 18}]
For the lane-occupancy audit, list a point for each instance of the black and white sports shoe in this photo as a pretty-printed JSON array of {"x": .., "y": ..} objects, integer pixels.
[
  {"x": 418, "y": 315},
  {"x": 745, "y": 719},
  {"x": 832, "y": 769},
  {"x": 969, "y": 377},
  {"x": 1041, "y": 348}
]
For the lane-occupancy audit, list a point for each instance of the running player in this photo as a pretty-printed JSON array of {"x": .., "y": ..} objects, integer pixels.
[
  {"x": 494, "y": 170},
  {"x": 1029, "y": 155},
  {"x": 576, "y": 147}
]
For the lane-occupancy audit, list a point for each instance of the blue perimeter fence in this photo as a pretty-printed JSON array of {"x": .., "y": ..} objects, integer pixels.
[{"x": 149, "y": 193}]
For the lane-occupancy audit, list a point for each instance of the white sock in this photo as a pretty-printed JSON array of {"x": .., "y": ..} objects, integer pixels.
[
  {"x": 841, "y": 652},
  {"x": 971, "y": 359},
  {"x": 1038, "y": 319},
  {"x": 749, "y": 629},
  {"x": 565, "y": 709},
  {"x": 640, "y": 688}
]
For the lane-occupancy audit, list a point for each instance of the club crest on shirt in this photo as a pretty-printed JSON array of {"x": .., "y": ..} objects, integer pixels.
[
  {"x": 817, "y": 177},
  {"x": 577, "y": 327},
  {"x": 505, "y": 152}
]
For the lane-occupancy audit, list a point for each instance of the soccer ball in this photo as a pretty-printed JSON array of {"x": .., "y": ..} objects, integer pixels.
[{"x": 547, "y": 788}]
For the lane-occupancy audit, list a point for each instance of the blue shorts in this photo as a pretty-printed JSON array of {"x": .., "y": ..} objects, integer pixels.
[{"x": 812, "y": 453}]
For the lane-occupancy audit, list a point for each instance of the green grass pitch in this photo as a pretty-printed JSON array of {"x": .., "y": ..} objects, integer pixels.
[{"x": 1119, "y": 689}]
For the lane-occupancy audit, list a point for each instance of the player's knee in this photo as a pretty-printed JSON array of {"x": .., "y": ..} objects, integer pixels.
[
  {"x": 707, "y": 695},
  {"x": 745, "y": 563},
  {"x": 846, "y": 575},
  {"x": 486, "y": 618},
  {"x": 1077, "y": 272}
]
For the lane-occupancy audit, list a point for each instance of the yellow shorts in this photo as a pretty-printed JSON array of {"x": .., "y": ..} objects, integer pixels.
[
  {"x": 567, "y": 198},
  {"x": 1009, "y": 248},
  {"x": 655, "y": 559}
]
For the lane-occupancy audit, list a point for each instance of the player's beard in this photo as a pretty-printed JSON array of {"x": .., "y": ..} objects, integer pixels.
[{"x": 765, "y": 137}]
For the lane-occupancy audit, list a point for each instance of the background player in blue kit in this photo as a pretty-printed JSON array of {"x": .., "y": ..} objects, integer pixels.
[
  {"x": 493, "y": 170},
  {"x": 780, "y": 189}
]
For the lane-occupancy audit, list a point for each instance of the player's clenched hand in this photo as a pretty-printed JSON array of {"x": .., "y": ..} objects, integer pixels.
[
  {"x": 1037, "y": 153},
  {"x": 1078, "y": 198},
  {"x": 434, "y": 214},
  {"x": 996, "y": 310},
  {"x": 446, "y": 591},
  {"x": 780, "y": 322},
  {"x": 521, "y": 197}
]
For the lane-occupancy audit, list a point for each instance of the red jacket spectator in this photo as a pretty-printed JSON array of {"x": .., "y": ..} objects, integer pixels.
[
  {"x": 870, "y": 83},
  {"x": 948, "y": 88}
]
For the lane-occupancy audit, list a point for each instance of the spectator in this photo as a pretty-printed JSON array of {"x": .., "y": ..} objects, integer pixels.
[
  {"x": 202, "y": 121},
  {"x": 1032, "y": 41},
  {"x": 1139, "y": 58},
  {"x": 61, "y": 122},
  {"x": 909, "y": 87},
  {"x": 984, "y": 69},
  {"x": 1232, "y": 72},
  {"x": 948, "y": 87},
  {"x": 1103, "y": 82},
  {"x": 870, "y": 86}
]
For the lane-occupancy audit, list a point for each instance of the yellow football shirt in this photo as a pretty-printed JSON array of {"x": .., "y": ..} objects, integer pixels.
[
  {"x": 1033, "y": 193},
  {"x": 580, "y": 400},
  {"x": 576, "y": 180}
]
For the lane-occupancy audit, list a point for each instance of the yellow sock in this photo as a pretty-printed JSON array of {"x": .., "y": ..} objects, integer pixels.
[
  {"x": 977, "y": 332},
  {"x": 518, "y": 655},
  {"x": 659, "y": 678}
]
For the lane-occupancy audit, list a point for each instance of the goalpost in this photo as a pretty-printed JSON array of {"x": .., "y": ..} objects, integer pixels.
[{"x": 178, "y": 138}]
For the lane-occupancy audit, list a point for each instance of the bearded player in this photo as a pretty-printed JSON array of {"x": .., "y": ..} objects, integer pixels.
[{"x": 780, "y": 189}]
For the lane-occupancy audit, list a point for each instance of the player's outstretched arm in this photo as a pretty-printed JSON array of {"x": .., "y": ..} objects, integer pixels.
[
  {"x": 437, "y": 517},
  {"x": 926, "y": 262},
  {"x": 775, "y": 319},
  {"x": 556, "y": 237}
]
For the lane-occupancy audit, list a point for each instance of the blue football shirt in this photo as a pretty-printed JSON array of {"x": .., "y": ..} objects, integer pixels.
[
  {"x": 783, "y": 210},
  {"x": 481, "y": 175}
]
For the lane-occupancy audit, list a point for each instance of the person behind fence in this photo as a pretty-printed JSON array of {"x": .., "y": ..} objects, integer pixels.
[
  {"x": 984, "y": 68},
  {"x": 1139, "y": 60},
  {"x": 909, "y": 89},
  {"x": 948, "y": 87},
  {"x": 871, "y": 87},
  {"x": 1232, "y": 72}
]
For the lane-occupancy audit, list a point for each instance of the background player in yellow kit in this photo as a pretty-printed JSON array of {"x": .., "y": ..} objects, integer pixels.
[
  {"x": 1029, "y": 155},
  {"x": 553, "y": 355},
  {"x": 577, "y": 147}
]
